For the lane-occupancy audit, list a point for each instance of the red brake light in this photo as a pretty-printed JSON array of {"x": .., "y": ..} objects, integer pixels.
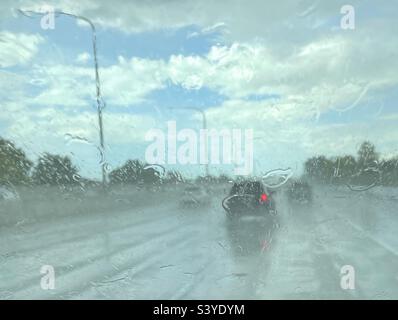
[{"x": 263, "y": 198}]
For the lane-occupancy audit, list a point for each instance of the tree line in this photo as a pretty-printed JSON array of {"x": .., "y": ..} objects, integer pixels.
[
  {"x": 366, "y": 168},
  {"x": 51, "y": 169},
  {"x": 17, "y": 169}
]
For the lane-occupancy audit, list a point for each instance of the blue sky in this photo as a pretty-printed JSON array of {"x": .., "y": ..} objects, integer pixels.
[{"x": 244, "y": 70}]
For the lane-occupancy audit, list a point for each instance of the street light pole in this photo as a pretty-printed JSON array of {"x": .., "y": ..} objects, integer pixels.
[{"x": 100, "y": 103}]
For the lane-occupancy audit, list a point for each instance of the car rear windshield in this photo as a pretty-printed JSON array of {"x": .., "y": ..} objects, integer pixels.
[{"x": 247, "y": 188}]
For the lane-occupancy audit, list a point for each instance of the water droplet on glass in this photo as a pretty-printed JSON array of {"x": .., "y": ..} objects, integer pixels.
[{"x": 277, "y": 178}]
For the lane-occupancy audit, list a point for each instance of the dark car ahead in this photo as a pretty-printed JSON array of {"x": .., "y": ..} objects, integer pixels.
[{"x": 249, "y": 198}]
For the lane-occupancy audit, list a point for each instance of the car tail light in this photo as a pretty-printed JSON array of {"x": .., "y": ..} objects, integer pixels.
[{"x": 263, "y": 198}]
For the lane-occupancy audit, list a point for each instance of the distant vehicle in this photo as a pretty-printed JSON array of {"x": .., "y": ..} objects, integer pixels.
[
  {"x": 8, "y": 194},
  {"x": 299, "y": 191},
  {"x": 195, "y": 197},
  {"x": 249, "y": 198}
]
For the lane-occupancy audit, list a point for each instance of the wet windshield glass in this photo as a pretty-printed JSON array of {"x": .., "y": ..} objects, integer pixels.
[{"x": 198, "y": 149}]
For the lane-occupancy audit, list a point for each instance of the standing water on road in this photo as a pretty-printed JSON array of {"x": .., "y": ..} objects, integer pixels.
[{"x": 249, "y": 153}]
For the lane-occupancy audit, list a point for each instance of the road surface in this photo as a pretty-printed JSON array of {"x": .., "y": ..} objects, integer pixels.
[{"x": 159, "y": 251}]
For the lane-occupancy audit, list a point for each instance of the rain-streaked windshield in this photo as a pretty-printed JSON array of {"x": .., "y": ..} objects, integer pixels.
[{"x": 198, "y": 149}]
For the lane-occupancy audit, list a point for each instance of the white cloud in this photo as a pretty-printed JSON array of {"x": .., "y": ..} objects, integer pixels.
[
  {"x": 237, "y": 71},
  {"x": 292, "y": 49},
  {"x": 126, "y": 83},
  {"x": 334, "y": 72},
  {"x": 129, "y": 82},
  {"x": 83, "y": 57},
  {"x": 40, "y": 124},
  {"x": 325, "y": 69},
  {"x": 18, "y": 48},
  {"x": 62, "y": 131},
  {"x": 283, "y": 24}
]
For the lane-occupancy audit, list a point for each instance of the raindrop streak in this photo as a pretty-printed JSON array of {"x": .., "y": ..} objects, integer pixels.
[
  {"x": 361, "y": 188},
  {"x": 162, "y": 172},
  {"x": 69, "y": 138},
  {"x": 370, "y": 185},
  {"x": 277, "y": 178},
  {"x": 309, "y": 10},
  {"x": 355, "y": 103},
  {"x": 226, "y": 200}
]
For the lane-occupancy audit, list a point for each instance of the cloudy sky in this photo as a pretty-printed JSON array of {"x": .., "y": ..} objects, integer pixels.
[{"x": 285, "y": 69}]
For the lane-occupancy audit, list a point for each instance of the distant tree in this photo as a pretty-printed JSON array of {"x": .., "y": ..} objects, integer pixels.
[
  {"x": 320, "y": 168},
  {"x": 223, "y": 178},
  {"x": 14, "y": 165},
  {"x": 344, "y": 168},
  {"x": 135, "y": 172},
  {"x": 150, "y": 176},
  {"x": 368, "y": 169},
  {"x": 367, "y": 155},
  {"x": 389, "y": 172},
  {"x": 174, "y": 177},
  {"x": 206, "y": 179},
  {"x": 311, "y": 167},
  {"x": 129, "y": 172},
  {"x": 54, "y": 170}
]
